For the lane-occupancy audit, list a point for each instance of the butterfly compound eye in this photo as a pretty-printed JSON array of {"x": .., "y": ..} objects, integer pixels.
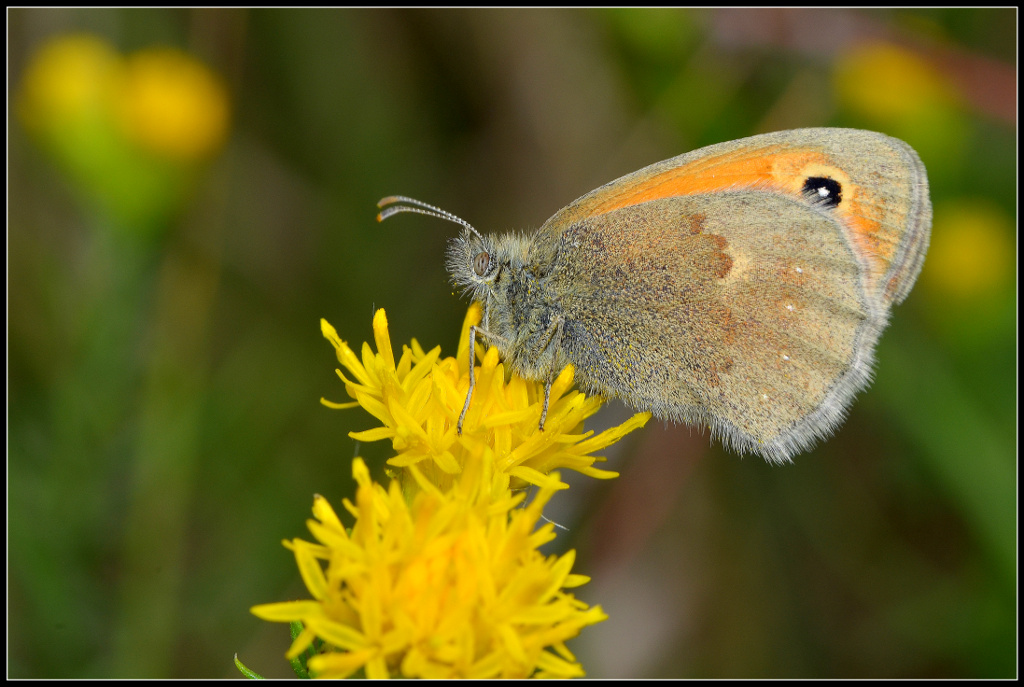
[{"x": 480, "y": 263}]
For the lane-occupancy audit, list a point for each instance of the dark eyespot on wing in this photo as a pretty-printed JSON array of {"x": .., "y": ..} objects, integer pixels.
[{"x": 823, "y": 191}]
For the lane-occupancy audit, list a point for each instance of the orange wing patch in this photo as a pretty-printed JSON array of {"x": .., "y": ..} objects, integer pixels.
[{"x": 777, "y": 168}]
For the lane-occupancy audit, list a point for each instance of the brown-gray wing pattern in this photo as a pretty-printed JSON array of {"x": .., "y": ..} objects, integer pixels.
[{"x": 720, "y": 314}]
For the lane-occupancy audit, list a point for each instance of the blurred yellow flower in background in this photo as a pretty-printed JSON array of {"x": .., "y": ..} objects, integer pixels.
[
  {"x": 129, "y": 133},
  {"x": 889, "y": 83},
  {"x": 69, "y": 80},
  {"x": 173, "y": 105},
  {"x": 972, "y": 253}
]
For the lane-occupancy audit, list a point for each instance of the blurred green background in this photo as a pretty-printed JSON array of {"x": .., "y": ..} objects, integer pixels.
[{"x": 179, "y": 220}]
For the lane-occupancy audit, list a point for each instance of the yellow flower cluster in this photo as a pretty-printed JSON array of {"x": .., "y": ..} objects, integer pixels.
[
  {"x": 441, "y": 574},
  {"x": 418, "y": 400},
  {"x": 130, "y": 133},
  {"x": 159, "y": 98}
]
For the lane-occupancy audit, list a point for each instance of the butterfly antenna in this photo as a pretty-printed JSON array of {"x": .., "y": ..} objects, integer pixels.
[{"x": 413, "y": 205}]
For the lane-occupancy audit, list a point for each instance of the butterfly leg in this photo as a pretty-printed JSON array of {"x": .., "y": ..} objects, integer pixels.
[
  {"x": 473, "y": 329},
  {"x": 472, "y": 377},
  {"x": 547, "y": 400},
  {"x": 554, "y": 343}
]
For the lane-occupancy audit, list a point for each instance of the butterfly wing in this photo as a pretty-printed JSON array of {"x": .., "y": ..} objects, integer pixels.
[
  {"x": 884, "y": 210},
  {"x": 711, "y": 289}
]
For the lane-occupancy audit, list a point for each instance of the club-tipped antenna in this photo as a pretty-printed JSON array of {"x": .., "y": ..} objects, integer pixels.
[{"x": 413, "y": 205}]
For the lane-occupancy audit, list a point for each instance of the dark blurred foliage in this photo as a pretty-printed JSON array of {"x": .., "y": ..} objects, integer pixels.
[{"x": 165, "y": 431}]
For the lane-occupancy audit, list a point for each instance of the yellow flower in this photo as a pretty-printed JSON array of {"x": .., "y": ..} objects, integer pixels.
[
  {"x": 971, "y": 256},
  {"x": 70, "y": 81},
  {"x": 160, "y": 99},
  {"x": 443, "y": 587},
  {"x": 890, "y": 83},
  {"x": 127, "y": 132},
  {"x": 418, "y": 400},
  {"x": 173, "y": 105},
  {"x": 441, "y": 575}
]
